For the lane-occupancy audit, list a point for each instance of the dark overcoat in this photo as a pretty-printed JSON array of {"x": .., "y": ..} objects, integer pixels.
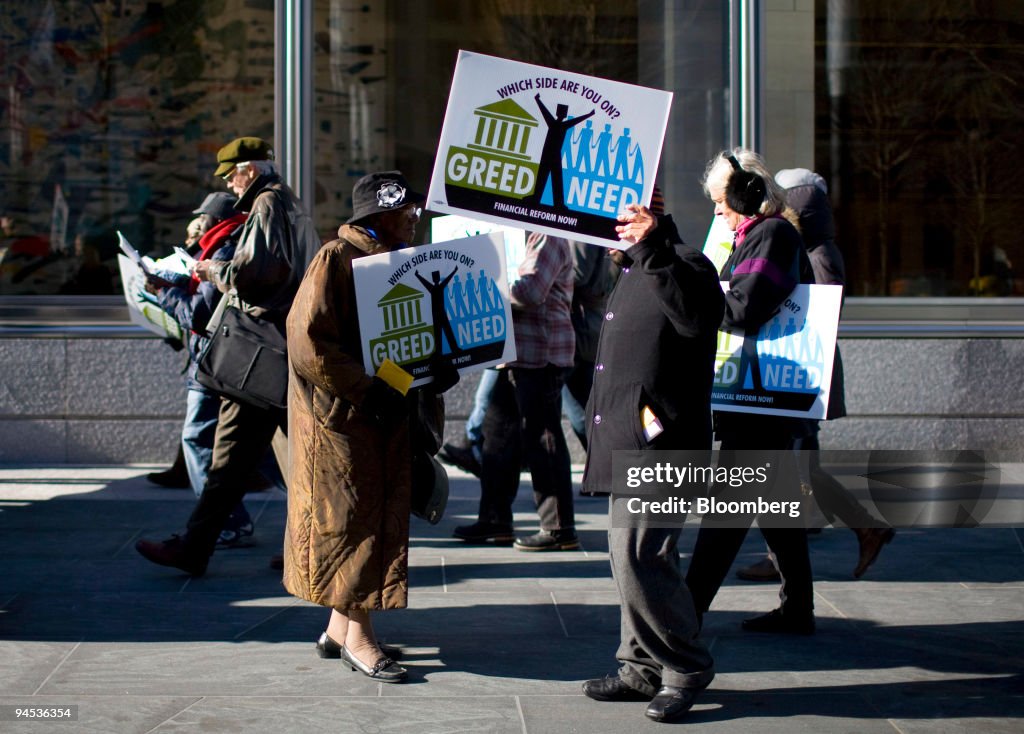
[
  {"x": 656, "y": 349},
  {"x": 349, "y": 484}
]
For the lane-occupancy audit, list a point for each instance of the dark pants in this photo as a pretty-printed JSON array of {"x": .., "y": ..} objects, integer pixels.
[
  {"x": 716, "y": 547},
  {"x": 523, "y": 426},
  {"x": 658, "y": 642},
  {"x": 832, "y": 498},
  {"x": 244, "y": 433}
]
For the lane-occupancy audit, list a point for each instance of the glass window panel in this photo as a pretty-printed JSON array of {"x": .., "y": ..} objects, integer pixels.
[
  {"x": 122, "y": 105},
  {"x": 919, "y": 112}
]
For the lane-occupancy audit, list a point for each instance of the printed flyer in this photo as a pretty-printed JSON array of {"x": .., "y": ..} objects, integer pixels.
[
  {"x": 448, "y": 296},
  {"x": 546, "y": 150}
]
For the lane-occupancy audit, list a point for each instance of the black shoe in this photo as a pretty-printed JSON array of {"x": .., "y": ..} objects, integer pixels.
[
  {"x": 481, "y": 532},
  {"x": 385, "y": 670},
  {"x": 611, "y": 688},
  {"x": 172, "y": 552},
  {"x": 328, "y": 648},
  {"x": 549, "y": 540},
  {"x": 780, "y": 621},
  {"x": 671, "y": 703},
  {"x": 461, "y": 457},
  {"x": 170, "y": 479},
  {"x": 585, "y": 493}
]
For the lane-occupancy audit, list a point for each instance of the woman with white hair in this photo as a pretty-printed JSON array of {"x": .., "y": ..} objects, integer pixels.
[{"x": 768, "y": 260}]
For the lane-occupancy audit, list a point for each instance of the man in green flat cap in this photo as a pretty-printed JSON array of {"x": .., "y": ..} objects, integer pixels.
[{"x": 276, "y": 245}]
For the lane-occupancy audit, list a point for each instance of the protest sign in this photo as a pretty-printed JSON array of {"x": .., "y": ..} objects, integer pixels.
[
  {"x": 546, "y": 150},
  {"x": 718, "y": 244},
  {"x": 448, "y": 296},
  {"x": 143, "y": 309},
  {"x": 786, "y": 368}
]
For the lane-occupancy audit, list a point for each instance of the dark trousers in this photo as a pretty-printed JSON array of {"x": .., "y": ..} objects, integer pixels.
[
  {"x": 832, "y": 498},
  {"x": 523, "y": 426},
  {"x": 244, "y": 433},
  {"x": 716, "y": 547},
  {"x": 658, "y": 642}
]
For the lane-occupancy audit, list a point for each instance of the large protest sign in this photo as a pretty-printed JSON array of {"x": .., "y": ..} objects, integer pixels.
[
  {"x": 451, "y": 296},
  {"x": 785, "y": 368},
  {"x": 546, "y": 150}
]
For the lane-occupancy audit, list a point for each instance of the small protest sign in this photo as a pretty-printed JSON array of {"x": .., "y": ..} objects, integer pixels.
[
  {"x": 786, "y": 368},
  {"x": 447, "y": 298}
]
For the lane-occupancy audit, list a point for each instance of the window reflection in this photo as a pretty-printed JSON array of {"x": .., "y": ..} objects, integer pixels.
[
  {"x": 920, "y": 110},
  {"x": 122, "y": 106}
]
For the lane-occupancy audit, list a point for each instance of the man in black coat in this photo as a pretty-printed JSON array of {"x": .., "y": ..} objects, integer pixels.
[{"x": 656, "y": 356}]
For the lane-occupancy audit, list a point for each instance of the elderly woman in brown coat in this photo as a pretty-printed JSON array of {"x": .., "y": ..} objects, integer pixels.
[{"x": 347, "y": 538}]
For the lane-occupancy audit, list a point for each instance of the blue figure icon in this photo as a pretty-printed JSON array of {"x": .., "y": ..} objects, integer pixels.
[
  {"x": 622, "y": 153},
  {"x": 472, "y": 304},
  {"x": 484, "y": 289},
  {"x": 583, "y": 144},
  {"x": 458, "y": 299},
  {"x": 602, "y": 160}
]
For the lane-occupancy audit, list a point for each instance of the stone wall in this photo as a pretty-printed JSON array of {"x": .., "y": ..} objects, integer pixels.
[{"x": 91, "y": 400}]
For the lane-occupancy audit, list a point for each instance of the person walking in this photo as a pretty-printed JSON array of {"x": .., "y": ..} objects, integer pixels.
[
  {"x": 655, "y": 354},
  {"x": 352, "y": 438},
  {"x": 275, "y": 246},
  {"x": 767, "y": 261}
]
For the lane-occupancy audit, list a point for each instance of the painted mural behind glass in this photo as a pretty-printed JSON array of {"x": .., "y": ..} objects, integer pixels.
[{"x": 111, "y": 114}]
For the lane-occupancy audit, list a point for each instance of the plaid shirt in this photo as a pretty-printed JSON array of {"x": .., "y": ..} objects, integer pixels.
[{"x": 541, "y": 298}]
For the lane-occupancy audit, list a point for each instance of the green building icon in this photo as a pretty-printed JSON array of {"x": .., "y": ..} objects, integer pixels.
[
  {"x": 496, "y": 161},
  {"x": 406, "y": 337},
  {"x": 503, "y": 128}
]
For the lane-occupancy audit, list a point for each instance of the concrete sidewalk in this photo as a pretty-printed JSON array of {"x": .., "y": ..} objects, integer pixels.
[{"x": 931, "y": 640}]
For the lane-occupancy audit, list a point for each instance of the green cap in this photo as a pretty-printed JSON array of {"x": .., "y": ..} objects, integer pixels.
[{"x": 241, "y": 150}]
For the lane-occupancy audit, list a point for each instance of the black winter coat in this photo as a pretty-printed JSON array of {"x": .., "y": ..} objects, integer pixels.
[{"x": 656, "y": 349}]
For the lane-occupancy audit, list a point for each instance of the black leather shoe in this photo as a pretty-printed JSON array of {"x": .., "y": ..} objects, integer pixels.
[
  {"x": 328, "y": 648},
  {"x": 611, "y": 688},
  {"x": 671, "y": 703},
  {"x": 172, "y": 552},
  {"x": 171, "y": 479},
  {"x": 385, "y": 670},
  {"x": 549, "y": 540},
  {"x": 780, "y": 621},
  {"x": 481, "y": 532},
  {"x": 460, "y": 456}
]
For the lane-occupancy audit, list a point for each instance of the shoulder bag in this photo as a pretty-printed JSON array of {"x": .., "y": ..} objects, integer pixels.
[{"x": 246, "y": 358}]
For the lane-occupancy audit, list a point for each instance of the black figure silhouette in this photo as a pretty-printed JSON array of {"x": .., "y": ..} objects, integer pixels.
[
  {"x": 551, "y": 155},
  {"x": 438, "y": 312},
  {"x": 750, "y": 360}
]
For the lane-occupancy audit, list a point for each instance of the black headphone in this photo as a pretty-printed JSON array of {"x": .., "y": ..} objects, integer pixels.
[{"x": 744, "y": 191}]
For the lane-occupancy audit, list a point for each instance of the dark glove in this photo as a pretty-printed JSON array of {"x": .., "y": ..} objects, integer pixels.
[
  {"x": 384, "y": 404},
  {"x": 445, "y": 375}
]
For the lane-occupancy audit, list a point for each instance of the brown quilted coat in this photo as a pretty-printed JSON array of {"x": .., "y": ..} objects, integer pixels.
[{"x": 347, "y": 537}]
